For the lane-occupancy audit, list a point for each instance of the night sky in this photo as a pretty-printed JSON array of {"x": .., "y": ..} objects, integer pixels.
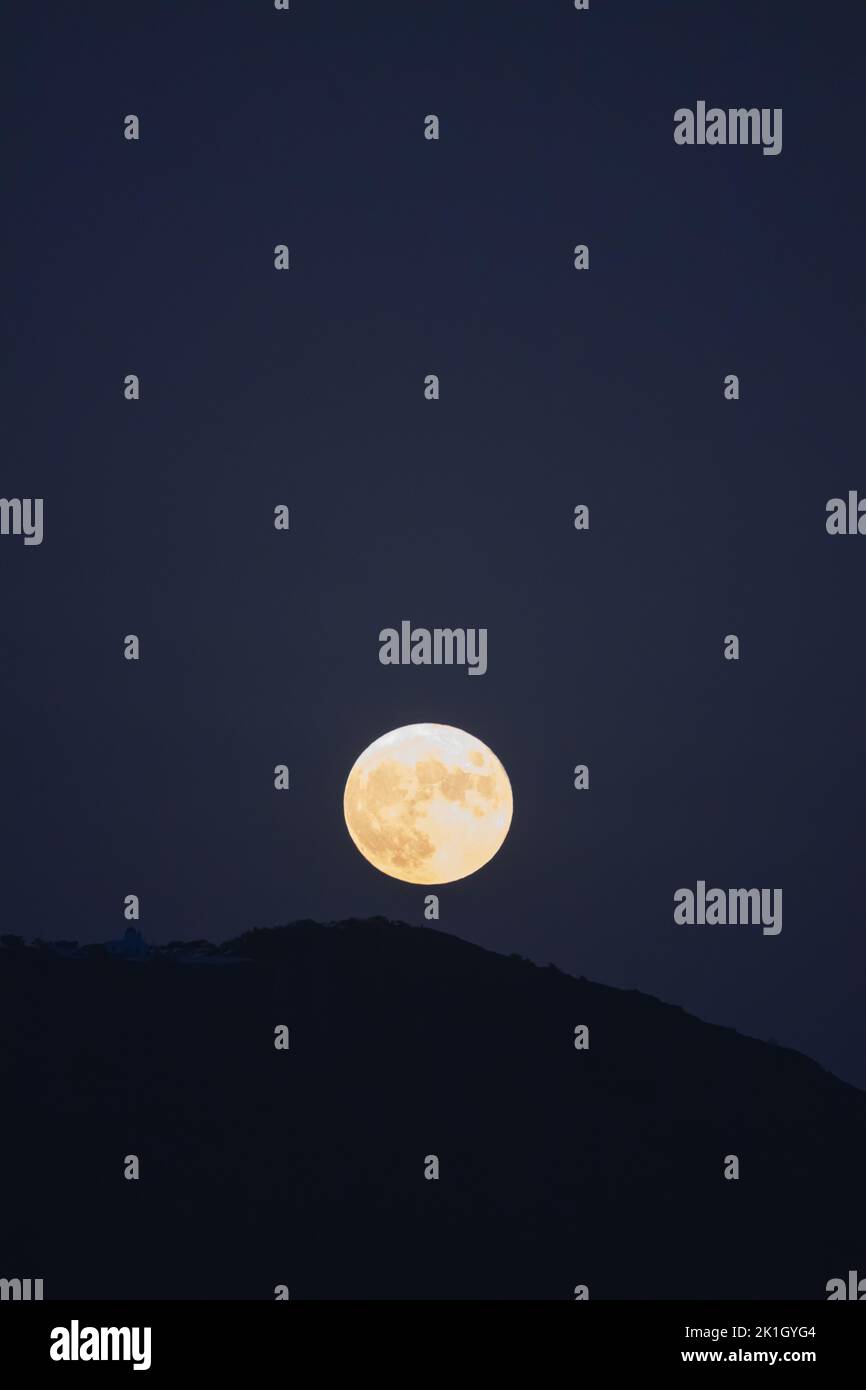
[{"x": 454, "y": 257}]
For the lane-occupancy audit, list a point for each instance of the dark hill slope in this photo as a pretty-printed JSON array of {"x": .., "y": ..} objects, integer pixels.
[{"x": 558, "y": 1167}]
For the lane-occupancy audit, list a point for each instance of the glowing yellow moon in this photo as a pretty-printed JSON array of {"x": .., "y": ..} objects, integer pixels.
[{"x": 428, "y": 803}]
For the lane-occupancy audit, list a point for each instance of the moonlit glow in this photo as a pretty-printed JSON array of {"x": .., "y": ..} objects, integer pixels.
[{"x": 428, "y": 803}]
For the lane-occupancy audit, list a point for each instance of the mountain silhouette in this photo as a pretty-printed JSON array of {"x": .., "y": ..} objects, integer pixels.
[{"x": 305, "y": 1167}]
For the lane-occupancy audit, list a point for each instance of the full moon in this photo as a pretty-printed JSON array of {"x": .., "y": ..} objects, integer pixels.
[{"x": 428, "y": 803}]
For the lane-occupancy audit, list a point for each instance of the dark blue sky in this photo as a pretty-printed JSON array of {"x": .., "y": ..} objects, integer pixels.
[{"x": 410, "y": 257}]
